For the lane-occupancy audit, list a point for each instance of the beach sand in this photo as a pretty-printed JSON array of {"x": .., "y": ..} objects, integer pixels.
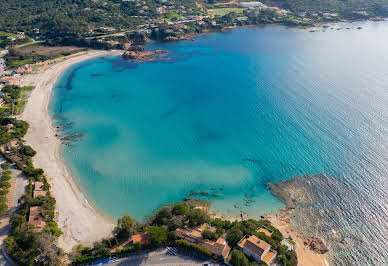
[
  {"x": 306, "y": 256},
  {"x": 80, "y": 222},
  {"x": 280, "y": 220}
]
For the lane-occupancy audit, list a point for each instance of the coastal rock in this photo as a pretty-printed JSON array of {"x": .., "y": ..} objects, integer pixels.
[
  {"x": 137, "y": 48},
  {"x": 141, "y": 56},
  {"x": 316, "y": 244},
  {"x": 175, "y": 38}
]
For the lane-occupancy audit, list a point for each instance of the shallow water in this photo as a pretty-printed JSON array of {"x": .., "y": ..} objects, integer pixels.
[{"x": 228, "y": 113}]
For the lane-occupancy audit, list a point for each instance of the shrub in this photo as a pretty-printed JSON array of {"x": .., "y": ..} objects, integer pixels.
[
  {"x": 29, "y": 151},
  {"x": 5, "y": 166},
  {"x": 193, "y": 247}
]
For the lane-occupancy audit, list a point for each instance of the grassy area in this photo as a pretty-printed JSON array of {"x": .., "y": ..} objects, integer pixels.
[
  {"x": 17, "y": 63},
  {"x": 5, "y": 34},
  {"x": 171, "y": 15},
  {"x": 223, "y": 11}
]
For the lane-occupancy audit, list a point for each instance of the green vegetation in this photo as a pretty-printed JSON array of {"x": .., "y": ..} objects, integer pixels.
[
  {"x": 25, "y": 244},
  {"x": 222, "y": 11},
  {"x": 248, "y": 227},
  {"x": 4, "y": 186},
  {"x": 14, "y": 99},
  {"x": 160, "y": 230}
]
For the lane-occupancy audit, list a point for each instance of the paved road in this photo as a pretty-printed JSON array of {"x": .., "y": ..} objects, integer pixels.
[
  {"x": 161, "y": 257},
  {"x": 20, "y": 186},
  {"x": 2, "y": 63}
]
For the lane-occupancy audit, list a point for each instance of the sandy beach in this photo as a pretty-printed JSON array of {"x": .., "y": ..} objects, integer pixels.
[
  {"x": 80, "y": 222},
  {"x": 306, "y": 256}
]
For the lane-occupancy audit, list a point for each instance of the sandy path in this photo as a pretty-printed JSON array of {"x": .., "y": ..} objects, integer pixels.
[{"x": 80, "y": 222}]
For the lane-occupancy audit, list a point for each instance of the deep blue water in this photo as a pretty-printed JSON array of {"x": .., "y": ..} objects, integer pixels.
[{"x": 228, "y": 113}]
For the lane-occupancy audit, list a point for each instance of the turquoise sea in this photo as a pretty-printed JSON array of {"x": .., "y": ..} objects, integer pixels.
[{"x": 229, "y": 112}]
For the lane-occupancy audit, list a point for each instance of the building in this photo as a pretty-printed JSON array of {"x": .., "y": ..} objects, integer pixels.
[
  {"x": 257, "y": 249},
  {"x": 220, "y": 247},
  {"x": 39, "y": 193},
  {"x": 194, "y": 236},
  {"x": 38, "y": 190},
  {"x": 139, "y": 238},
  {"x": 36, "y": 218},
  {"x": 289, "y": 243},
  {"x": 38, "y": 185}
]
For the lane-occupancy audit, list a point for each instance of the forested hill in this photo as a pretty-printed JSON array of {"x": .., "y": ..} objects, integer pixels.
[
  {"x": 59, "y": 17},
  {"x": 375, "y": 6},
  {"x": 74, "y": 15}
]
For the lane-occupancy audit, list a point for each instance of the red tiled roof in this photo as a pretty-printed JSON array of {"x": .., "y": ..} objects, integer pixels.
[
  {"x": 38, "y": 185},
  {"x": 39, "y": 193},
  {"x": 256, "y": 245},
  {"x": 140, "y": 238},
  {"x": 36, "y": 218}
]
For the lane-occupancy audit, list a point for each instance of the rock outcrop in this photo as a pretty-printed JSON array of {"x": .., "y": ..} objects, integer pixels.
[{"x": 141, "y": 55}]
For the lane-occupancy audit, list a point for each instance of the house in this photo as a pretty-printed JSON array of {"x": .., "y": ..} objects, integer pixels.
[
  {"x": 288, "y": 243},
  {"x": 160, "y": 10},
  {"x": 39, "y": 193},
  {"x": 9, "y": 80},
  {"x": 258, "y": 249},
  {"x": 9, "y": 127},
  {"x": 139, "y": 238},
  {"x": 220, "y": 247},
  {"x": 38, "y": 186},
  {"x": 194, "y": 235},
  {"x": 38, "y": 190},
  {"x": 36, "y": 218},
  {"x": 181, "y": 26},
  {"x": 190, "y": 235}
]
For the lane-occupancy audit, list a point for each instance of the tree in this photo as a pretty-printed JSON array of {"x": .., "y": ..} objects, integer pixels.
[
  {"x": 207, "y": 234},
  {"x": 157, "y": 234},
  {"x": 175, "y": 222},
  {"x": 3, "y": 208},
  {"x": 234, "y": 235},
  {"x": 180, "y": 209},
  {"x": 162, "y": 216},
  {"x": 125, "y": 227},
  {"x": 238, "y": 258},
  {"x": 197, "y": 217}
]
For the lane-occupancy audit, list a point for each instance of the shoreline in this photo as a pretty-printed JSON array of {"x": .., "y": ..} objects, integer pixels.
[{"x": 80, "y": 222}]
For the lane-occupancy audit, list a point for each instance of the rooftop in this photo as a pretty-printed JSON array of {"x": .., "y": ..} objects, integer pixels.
[
  {"x": 39, "y": 193},
  {"x": 38, "y": 185},
  {"x": 269, "y": 256},
  {"x": 140, "y": 238},
  {"x": 254, "y": 244},
  {"x": 36, "y": 218}
]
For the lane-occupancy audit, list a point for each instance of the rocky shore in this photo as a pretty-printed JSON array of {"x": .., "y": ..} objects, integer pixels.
[{"x": 141, "y": 56}]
